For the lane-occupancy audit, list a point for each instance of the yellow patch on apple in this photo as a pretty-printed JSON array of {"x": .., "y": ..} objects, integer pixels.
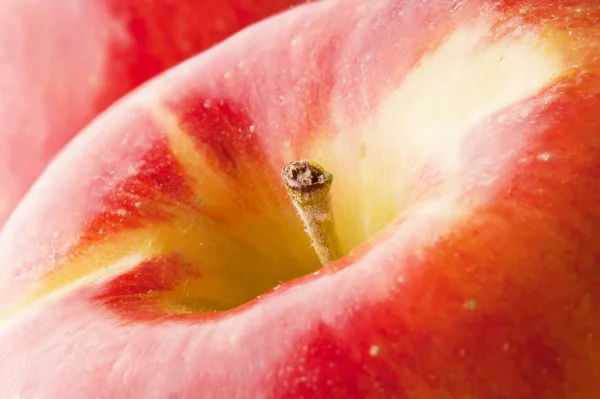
[{"x": 421, "y": 125}]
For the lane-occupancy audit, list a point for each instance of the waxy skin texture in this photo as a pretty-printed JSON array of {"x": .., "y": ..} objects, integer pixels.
[
  {"x": 62, "y": 62},
  {"x": 160, "y": 256}
]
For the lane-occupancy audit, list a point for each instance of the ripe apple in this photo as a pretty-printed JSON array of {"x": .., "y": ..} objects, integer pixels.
[
  {"x": 160, "y": 256},
  {"x": 63, "y": 62}
]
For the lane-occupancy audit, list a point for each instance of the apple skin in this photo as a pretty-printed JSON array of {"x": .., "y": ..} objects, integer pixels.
[
  {"x": 64, "y": 63},
  {"x": 474, "y": 123}
]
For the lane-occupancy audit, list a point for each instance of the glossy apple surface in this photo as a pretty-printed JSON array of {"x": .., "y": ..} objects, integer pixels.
[
  {"x": 156, "y": 256},
  {"x": 63, "y": 62}
]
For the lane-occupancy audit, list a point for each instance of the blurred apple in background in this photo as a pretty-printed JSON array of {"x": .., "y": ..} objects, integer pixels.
[
  {"x": 159, "y": 255},
  {"x": 63, "y": 62}
]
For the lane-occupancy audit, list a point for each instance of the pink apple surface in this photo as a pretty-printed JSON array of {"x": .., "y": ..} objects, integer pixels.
[
  {"x": 63, "y": 62},
  {"x": 159, "y": 255}
]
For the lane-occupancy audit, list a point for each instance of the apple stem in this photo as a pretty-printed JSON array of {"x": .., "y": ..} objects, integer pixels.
[{"x": 308, "y": 185}]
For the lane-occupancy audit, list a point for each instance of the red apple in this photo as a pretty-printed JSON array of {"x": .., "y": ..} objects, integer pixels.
[
  {"x": 157, "y": 256},
  {"x": 63, "y": 62}
]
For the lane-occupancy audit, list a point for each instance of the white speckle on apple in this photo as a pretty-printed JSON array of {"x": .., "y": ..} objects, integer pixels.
[
  {"x": 543, "y": 157},
  {"x": 374, "y": 350},
  {"x": 227, "y": 75},
  {"x": 121, "y": 212},
  {"x": 138, "y": 205},
  {"x": 251, "y": 128},
  {"x": 56, "y": 234},
  {"x": 400, "y": 280},
  {"x": 207, "y": 104},
  {"x": 470, "y": 304}
]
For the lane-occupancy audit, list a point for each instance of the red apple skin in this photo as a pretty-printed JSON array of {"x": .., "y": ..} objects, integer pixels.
[
  {"x": 486, "y": 286},
  {"x": 65, "y": 62}
]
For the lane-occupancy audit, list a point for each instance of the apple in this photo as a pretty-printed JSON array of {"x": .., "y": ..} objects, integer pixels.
[
  {"x": 160, "y": 254},
  {"x": 63, "y": 62}
]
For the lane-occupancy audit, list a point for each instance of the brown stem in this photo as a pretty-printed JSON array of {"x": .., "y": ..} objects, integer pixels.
[{"x": 308, "y": 186}]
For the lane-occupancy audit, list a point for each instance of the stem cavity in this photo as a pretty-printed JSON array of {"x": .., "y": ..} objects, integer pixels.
[{"x": 308, "y": 186}]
